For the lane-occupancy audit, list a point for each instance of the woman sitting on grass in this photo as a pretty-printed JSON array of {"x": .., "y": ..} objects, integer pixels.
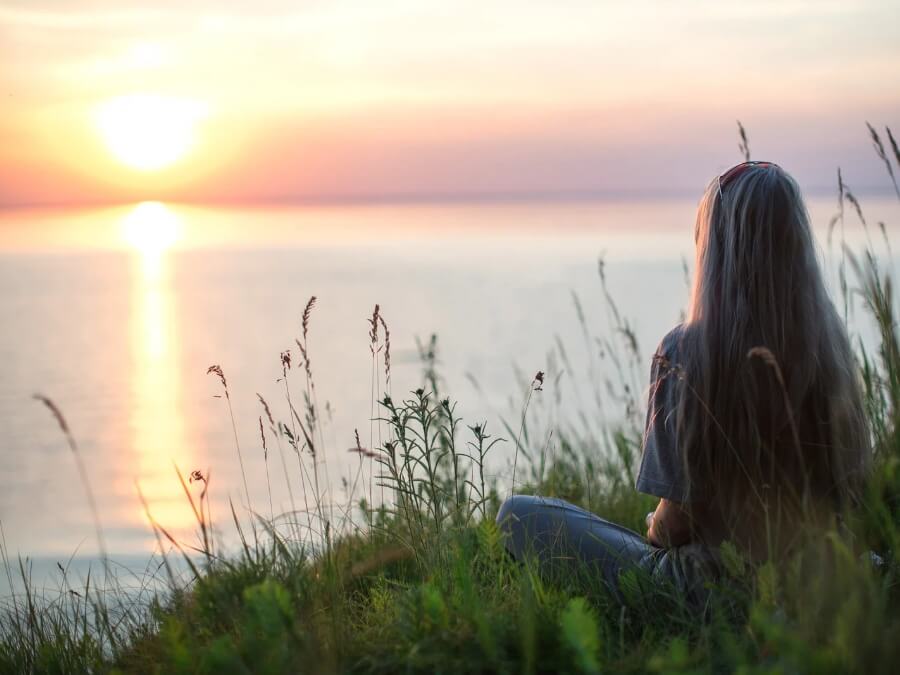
[{"x": 755, "y": 429}]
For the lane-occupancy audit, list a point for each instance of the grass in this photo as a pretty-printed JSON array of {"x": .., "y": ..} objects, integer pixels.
[{"x": 419, "y": 581}]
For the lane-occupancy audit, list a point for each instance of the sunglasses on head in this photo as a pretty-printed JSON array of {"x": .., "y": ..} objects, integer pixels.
[{"x": 738, "y": 169}]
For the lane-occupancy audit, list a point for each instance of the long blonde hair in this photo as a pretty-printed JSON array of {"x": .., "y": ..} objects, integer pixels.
[{"x": 770, "y": 410}]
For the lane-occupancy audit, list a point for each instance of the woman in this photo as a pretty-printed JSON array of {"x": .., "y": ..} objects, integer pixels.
[{"x": 755, "y": 427}]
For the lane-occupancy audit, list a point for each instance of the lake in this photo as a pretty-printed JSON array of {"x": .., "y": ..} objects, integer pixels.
[{"x": 116, "y": 314}]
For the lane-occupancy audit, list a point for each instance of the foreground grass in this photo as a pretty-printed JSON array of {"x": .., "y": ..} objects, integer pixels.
[
  {"x": 423, "y": 583},
  {"x": 367, "y": 604}
]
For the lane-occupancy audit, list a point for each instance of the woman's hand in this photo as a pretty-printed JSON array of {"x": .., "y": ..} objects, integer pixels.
[{"x": 669, "y": 525}]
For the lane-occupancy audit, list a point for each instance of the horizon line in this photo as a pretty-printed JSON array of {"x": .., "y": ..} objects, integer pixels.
[{"x": 410, "y": 198}]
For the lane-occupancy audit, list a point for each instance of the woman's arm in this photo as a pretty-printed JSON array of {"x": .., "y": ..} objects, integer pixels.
[{"x": 669, "y": 525}]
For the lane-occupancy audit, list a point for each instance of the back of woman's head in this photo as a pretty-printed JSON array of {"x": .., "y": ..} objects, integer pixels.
[{"x": 770, "y": 407}]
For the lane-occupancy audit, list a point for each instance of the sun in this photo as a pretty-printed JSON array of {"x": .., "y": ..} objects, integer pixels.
[{"x": 148, "y": 132}]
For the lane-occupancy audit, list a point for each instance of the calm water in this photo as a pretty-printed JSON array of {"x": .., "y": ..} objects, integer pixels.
[{"x": 117, "y": 313}]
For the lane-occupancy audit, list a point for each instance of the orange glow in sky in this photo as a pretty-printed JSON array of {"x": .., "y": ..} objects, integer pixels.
[{"x": 246, "y": 101}]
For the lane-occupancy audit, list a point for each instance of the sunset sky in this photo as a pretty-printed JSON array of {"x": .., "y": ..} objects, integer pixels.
[{"x": 113, "y": 100}]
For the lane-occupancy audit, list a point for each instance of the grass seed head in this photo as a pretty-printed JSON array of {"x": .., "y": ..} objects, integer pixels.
[
  {"x": 373, "y": 328},
  {"x": 266, "y": 409},
  {"x": 217, "y": 370},
  {"x": 262, "y": 435},
  {"x": 306, "y": 314},
  {"x": 57, "y": 413},
  {"x": 387, "y": 350}
]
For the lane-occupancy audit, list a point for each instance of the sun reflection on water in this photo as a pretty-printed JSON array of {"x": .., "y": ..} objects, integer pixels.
[{"x": 157, "y": 419}]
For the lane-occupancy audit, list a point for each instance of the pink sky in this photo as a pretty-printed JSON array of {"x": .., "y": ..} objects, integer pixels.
[{"x": 360, "y": 100}]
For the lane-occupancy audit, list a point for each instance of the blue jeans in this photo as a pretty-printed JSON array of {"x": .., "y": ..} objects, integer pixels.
[{"x": 560, "y": 535}]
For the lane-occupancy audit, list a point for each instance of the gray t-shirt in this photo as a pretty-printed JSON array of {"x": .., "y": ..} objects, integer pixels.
[{"x": 662, "y": 471}]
